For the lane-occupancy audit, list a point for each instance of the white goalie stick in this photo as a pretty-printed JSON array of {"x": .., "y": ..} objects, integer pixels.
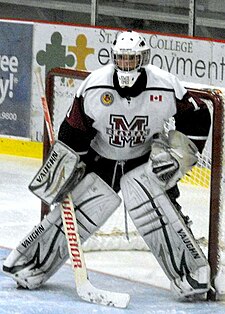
[{"x": 85, "y": 289}]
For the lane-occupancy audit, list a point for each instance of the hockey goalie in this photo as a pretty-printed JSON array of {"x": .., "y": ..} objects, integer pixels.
[{"x": 113, "y": 138}]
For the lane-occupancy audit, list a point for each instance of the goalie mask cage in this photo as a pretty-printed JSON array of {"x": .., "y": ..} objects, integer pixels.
[{"x": 206, "y": 178}]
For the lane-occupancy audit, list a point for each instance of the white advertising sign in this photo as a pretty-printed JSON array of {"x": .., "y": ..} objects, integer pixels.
[
  {"x": 88, "y": 48},
  {"x": 192, "y": 60}
]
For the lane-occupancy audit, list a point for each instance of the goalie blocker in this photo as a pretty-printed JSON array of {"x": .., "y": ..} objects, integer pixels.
[{"x": 59, "y": 174}]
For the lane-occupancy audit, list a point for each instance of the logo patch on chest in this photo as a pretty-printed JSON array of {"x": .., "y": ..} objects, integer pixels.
[{"x": 107, "y": 99}]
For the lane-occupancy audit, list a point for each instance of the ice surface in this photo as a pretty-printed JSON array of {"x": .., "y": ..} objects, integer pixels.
[{"x": 20, "y": 211}]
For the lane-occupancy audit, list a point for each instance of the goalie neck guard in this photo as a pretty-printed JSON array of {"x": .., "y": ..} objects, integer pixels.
[{"x": 129, "y": 53}]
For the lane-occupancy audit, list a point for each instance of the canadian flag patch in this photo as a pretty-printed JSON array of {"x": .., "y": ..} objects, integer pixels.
[{"x": 155, "y": 97}]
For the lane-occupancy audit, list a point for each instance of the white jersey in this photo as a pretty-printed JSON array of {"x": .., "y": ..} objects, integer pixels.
[{"x": 125, "y": 126}]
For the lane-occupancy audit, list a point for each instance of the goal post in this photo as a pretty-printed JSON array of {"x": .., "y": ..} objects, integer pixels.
[
  {"x": 68, "y": 75},
  {"x": 61, "y": 86}
]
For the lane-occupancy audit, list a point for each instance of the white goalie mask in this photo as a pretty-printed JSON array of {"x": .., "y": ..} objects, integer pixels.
[{"x": 129, "y": 53}]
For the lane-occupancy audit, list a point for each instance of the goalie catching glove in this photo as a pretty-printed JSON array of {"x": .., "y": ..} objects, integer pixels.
[
  {"x": 59, "y": 174},
  {"x": 172, "y": 157}
]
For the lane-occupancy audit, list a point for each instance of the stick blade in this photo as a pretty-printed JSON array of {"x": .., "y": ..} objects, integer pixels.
[{"x": 91, "y": 294}]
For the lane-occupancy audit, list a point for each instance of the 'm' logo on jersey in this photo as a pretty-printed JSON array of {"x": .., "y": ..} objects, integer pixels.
[{"x": 123, "y": 132}]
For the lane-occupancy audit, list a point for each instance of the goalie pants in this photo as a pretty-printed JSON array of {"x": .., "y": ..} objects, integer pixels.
[{"x": 111, "y": 171}]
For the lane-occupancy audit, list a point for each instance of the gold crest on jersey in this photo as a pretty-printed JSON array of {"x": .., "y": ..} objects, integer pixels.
[{"x": 107, "y": 98}]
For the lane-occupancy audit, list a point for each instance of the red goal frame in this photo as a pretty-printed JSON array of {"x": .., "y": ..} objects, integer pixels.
[{"x": 216, "y": 162}]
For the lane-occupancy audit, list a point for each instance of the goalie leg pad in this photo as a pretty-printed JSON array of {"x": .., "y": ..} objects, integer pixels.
[
  {"x": 164, "y": 231},
  {"x": 44, "y": 250},
  {"x": 39, "y": 254}
]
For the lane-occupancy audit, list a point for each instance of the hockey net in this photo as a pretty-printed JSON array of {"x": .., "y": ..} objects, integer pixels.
[{"x": 201, "y": 189}]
